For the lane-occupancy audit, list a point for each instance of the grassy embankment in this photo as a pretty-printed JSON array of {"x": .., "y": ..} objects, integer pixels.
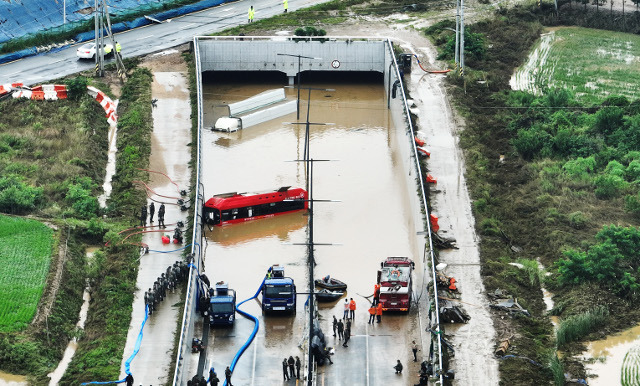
[
  {"x": 568, "y": 172},
  {"x": 49, "y": 157},
  {"x": 594, "y": 64},
  {"x": 115, "y": 267},
  {"x": 54, "y": 154}
]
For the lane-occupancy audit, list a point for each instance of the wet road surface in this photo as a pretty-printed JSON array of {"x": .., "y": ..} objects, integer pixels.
[
  {"x": 169, "y": 155},
  {"x": 370, "y": 223}
]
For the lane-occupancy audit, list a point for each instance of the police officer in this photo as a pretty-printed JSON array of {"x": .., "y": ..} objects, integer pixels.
[
  {"x": 161, "y": 216},
  {"x": 152, "y": 210},
  {"x": 143, "y": 215}
]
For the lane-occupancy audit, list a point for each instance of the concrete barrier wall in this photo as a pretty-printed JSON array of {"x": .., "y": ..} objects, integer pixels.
[{"x": 261, "y": 54}]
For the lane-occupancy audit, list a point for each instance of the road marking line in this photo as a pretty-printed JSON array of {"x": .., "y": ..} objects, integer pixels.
[
  {"x": 255, "y": 352},
  {"x": 367, "y": 349},
  {"x": 145, "y": 37},
  {"x": 188, "y": 25}
]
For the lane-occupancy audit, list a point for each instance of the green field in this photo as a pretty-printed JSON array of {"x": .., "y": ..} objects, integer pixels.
[
  {"x": 595, "y": 64},
  {"x": 25, "y": 248}
]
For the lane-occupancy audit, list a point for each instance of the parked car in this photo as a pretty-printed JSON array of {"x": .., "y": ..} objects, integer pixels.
[{"x": 88, "y": 51}]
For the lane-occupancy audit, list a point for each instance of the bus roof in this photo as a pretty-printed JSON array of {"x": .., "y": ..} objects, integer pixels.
[{"x": 241, "y": 200}]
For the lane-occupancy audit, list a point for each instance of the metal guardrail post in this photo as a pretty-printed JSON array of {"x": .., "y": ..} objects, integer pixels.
[
  {"x": 426, "y": 209},
  {"x": 186, "y": 330}
]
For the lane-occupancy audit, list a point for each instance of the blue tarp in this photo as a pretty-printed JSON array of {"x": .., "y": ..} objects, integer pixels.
[{"x": 19, "y": 19}]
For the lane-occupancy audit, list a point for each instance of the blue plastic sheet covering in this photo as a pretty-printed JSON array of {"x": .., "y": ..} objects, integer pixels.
[
  {"x": 17, "y": 55},
  {"x": 19, "y": 18}
]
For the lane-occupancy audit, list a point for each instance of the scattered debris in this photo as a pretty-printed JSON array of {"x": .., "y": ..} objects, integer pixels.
[
  {"x": 443, "y": 242},
  {"x": 451, "y": 313},
  {"x": 511, "y": 306},
  {"x": 502, "y": 348}
]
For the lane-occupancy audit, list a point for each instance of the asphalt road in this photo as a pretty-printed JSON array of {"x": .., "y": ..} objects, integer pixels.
[{"x": 141, "y": 41}]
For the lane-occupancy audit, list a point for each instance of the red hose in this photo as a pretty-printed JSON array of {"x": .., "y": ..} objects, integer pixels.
[
  {"x": 136, "y": 233},
  {"x": 151, "y": 190},
  {"x": 430, "y": 71},
  {"x": 169, "y": 178}
]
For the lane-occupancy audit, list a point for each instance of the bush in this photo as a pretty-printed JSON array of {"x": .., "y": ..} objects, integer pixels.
[
  {"x": 530, "y": 142},
  {"x": 16, "y": 197},
  {"x": 76, "y": 87},
  {"x": 609, "y": 186},
  {"x": 580, "y": 168},
  {"x": 577, "y": 220},
  {"x": 609, "y": 119},
  {"x": 84, "y": 204}
]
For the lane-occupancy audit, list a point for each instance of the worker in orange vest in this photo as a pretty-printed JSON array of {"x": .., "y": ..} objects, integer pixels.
[
  {"x": 376, "y": 294},
  {"x": 372, "y": 314},
  {"x": 352, "y": 308},
  {"x": 379, "y": 311},
  {"x": 452, "y": 284}
]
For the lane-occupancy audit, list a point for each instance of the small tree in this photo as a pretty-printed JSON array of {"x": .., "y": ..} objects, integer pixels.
[{"x": 76, "y": 87}]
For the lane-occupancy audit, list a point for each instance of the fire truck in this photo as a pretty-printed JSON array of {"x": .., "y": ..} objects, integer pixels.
[{"x": 394, "y": 278}]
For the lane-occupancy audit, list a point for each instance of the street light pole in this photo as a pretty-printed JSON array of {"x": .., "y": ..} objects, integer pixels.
[
  {"x": 298, "y": 76},
  {"x": 462, "y": 38},
  {"x": 457, "y": 50}
]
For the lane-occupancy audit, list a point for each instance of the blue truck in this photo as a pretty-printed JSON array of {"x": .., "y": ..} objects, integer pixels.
[
  {"x": 278, "y": 292},
  {"x": 222, "y": 306}
]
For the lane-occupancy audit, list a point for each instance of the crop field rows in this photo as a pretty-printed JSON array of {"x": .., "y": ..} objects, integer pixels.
[
  {"x": 631, "y": 368},
  {"x": 25, "y": 247},
  {"x": 594, "y": 64}
]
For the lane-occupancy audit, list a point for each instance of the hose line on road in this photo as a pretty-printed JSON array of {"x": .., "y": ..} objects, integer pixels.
[
  {"x": 127, "y": 363},
  {"x": 253, "y": 333},
  {"x": 169, "y": 178}
]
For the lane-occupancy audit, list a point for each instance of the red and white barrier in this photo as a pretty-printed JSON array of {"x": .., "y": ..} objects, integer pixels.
[
  {"x": 59, "y": 91},
  {"x": 6, "y": 88}
]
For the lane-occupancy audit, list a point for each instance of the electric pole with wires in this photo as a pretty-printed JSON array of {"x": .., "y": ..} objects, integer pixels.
[{"x": 102, "y": 27}]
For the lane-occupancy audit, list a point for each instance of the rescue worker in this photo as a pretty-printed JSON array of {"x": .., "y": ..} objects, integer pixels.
[
  {"x": 227, "y": 376},
  {"x": 345, "y": 316},
  {"x": 213, "y": 377},
  {"x": 298, "y": 365},
  {"x": 107, "y": 49},
  {"x": 143, "y": 215},
  {"x": 340, "y": 329},
  {"x": 129, "y": 379},
  {"x": 161, "y": 216},
  {"x": 177, "y": 236},
  {"x": 379, "y": 312},
  {"x": 352, "y": 308},
  {"x": 376, "y": 294},
  {"x": 347, "y": 335},
  {"x": 372, "y": 314},
  {"x": 398, "y": 367},
  {"x": 118, "y": 48},
  {"x": 252, "y": 13},
  {"x": 414, "y": 350},
  {"x": 285, "y": 372},
  {"x": 335, "y": 325},
  {"x": 292, "y": 369},
  {"x": 286, "y": 5},
  {"x": 452, "y": 284},
  {"x": 152, "y": 211}
]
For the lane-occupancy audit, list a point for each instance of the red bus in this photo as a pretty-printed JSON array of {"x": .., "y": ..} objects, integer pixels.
[{"x": 231, "y": 208}]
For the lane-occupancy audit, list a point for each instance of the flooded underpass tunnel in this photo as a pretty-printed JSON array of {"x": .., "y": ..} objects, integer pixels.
[{"x": 371, "y": 220}]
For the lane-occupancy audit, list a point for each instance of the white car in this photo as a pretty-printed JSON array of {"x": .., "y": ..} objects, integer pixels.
[{"x": 88, "y": 51}]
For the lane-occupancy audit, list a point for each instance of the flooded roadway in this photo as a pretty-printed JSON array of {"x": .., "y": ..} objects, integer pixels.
[{"x": 371, "y": 222}]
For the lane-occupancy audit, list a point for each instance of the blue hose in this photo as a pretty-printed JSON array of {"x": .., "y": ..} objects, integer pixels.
[
  {"x": 253, "y": 333},
  {"x": 175, "y": 250},
  {"x": 127, "y": 363}
]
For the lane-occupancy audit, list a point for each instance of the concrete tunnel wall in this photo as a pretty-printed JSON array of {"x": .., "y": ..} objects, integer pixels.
[{"x": 261, "y": 54}]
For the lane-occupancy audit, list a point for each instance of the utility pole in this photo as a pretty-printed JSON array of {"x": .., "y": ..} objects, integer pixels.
[
  {"x": 462, "y": 38},
  {"x": 102, "y": 13},
  {"x": 457, "y": 49}
]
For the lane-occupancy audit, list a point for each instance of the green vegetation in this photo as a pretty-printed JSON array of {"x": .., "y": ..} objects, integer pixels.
[
  {"x": 46, "y": 146},
  {"x": 25, "y": 247},
  {"x": 576, "y": 327},
  {"x": 630, "y": 368},
  {"x": 115, "y": 269},
  {"x": 570, "y": 169},
  {"x": 594, "y": 64}
]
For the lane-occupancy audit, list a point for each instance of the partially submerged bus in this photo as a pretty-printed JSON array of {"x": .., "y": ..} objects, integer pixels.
[{"x": 231, "y": 208}]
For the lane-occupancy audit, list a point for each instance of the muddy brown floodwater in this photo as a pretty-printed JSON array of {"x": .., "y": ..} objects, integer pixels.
[{"x": 370, "y": 222}]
